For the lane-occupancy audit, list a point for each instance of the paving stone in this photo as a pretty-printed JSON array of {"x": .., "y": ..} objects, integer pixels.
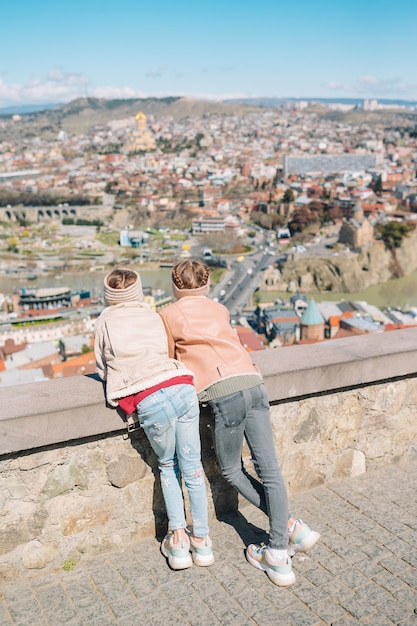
[
  {"x": 353, "y": 578},
  {"x": 369, "y": 568},
  {"x": 105, "y": 575},
  {"x": 269, "y": 617},
  {"x": 251, "y": 602},
  {"x": 309, "y": 594},
  {"x": 337, "y": 590},
  {"x": 56, "y": 605},
  {"x": 162, "y": 619},
  {"x": 333, "y": 540},
  {"x": 407, "y": 596},
  {"x": 342, "y": 526},
  {"x": 280, "y": 598},
  {"x": 5, "y": 617},
  {"x": 178, "y": 599},
  {"x": 22, "y": 608},
  {"x": 411, "y": 558},
  {"x": 394, "y": 565},
  {"x": 410, "y": 621},
  {"x": 231, "y": 615},
  {"x": 198, "y": 614},
  {"x": 363, "y": 571},
  {"x": 346, "y": 621},
  {"x": 358, "y": 608},
  {"x": 398, "y": 547},
  {"x": 332, "y": 563},
  {"x": 377, "y": 620},
  {"x": 92, "y": 607},
  {"x": 350, "y": 553},
  {"x": 409, "y": 577},
  {"x": 318, "y": 576},
  {"x": 156, "y": 602},
  {"x": 329, "y": 611},
  {"x": 389, "y": 582},
  {"x": 393, "y": 609},
  {"x": 299, "y": 615},
  {"x": 135, "y": 619},
  {"x": 120, "y": 599}
]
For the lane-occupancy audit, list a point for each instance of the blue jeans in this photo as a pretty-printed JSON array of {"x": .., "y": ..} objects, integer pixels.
[
  {"x": 246, "y": 414},
  {"x": 170, "y": 419}
]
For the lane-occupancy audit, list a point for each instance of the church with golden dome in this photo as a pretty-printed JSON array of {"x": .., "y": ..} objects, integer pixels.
[{"x": 141, "y": 139}]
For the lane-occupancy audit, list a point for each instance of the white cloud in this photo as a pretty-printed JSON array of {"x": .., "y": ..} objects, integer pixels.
[
  {"x": 110, "y": 93},
  {"x": 375, "y": 86},
  {"x": 58, "y": 76},
  {"x": 59, "y": 86}
]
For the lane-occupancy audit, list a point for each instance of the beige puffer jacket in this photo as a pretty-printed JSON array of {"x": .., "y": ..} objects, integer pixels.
[{"x": 131, "y": 350}]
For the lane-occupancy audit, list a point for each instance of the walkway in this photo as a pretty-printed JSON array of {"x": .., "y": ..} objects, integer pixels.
[{"x": 364, "y": 571}]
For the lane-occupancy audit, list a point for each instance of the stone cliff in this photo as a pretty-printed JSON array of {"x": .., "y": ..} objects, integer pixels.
[{"x": 345, "y": 273}]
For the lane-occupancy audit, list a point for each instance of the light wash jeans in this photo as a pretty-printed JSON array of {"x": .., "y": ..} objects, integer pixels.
[
  {"x": 246, "y": 414},
  {"x": 170, "y": 419}
]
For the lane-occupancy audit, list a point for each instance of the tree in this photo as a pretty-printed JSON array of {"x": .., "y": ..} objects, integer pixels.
[
  {"x": 378, "y": 185},
  {"x": 288, "y": 196},
  {"x": 393, "y": 233},
  {"x": 301, "y": 219}
]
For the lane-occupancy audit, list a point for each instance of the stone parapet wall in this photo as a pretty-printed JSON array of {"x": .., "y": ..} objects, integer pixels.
[{"x": 73, "y": 484}]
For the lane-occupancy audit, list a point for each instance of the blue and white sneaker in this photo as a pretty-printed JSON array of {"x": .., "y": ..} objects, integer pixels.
[
  {"x": 202, "y": 552},
  {"x": 301, "y": 538},
  {"x": 178, "y": 554},
  {"x": 280, "y": 572}
]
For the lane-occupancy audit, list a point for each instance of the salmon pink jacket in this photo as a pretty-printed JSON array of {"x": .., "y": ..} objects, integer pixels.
[{"x": 200, "y": 336}]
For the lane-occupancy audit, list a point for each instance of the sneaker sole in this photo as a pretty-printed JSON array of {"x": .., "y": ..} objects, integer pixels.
[
  {"x": 176, "y": 562},
  {"x": 202, "y": 560},
  {"x": 282, "y": 580},
  {"x": 304, "y": 545}
]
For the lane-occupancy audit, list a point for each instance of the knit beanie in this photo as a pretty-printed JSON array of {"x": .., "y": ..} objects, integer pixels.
[
  {"x": 133, "y": 293},
  {"x": 199, "y": 291}
]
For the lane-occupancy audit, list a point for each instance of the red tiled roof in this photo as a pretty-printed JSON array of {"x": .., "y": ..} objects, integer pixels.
[
  {"x": 79, "y": 365},
  {"x": 249, "y": 339},
  {"x": 10, "y": 347},
  {"x": 334, "y": 320}
]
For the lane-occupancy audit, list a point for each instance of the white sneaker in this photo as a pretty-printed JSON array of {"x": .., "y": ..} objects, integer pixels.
[{"x": 178, "y": 554}]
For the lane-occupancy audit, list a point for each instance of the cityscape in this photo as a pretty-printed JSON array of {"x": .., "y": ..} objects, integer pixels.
[
  {"x": 287, "y": 204},
  {"x": 277, "y": 142}
]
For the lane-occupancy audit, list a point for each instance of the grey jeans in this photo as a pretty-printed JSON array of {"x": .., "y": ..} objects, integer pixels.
[{"x": 246, "y": 414}]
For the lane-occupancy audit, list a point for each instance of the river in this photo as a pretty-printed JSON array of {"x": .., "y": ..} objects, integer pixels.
[
  {"x": 81, "y": 281},
  {"x": 400, "y": 292},
  {"x": 397, "y": 292}
]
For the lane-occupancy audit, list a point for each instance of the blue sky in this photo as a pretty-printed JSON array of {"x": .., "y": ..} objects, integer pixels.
[{"x": 56, "y": 51}]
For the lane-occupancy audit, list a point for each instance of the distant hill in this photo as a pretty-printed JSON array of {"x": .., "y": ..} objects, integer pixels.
[
  {"x": 80, "y": 115},
  {"x": 19, "y": 109},
  {"x": 277, "y": 102}
]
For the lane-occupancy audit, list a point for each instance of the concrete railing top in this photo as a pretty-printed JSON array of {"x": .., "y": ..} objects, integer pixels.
[{"x": 59, "y": 411}]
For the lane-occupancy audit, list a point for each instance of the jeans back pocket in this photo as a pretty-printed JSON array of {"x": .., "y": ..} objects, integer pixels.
[{"x": 230, "y": 409}]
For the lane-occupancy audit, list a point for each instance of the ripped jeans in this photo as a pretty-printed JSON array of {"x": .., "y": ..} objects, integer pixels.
[{"x": 170, "y": 419}]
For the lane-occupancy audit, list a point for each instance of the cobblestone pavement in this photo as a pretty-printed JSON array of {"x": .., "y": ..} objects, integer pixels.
[{"x": 363, "y": 571}]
